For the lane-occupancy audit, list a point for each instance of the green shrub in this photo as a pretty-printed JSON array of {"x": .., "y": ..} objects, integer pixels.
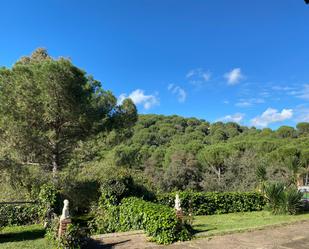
[
  {"x": 74, "y": 238},
  {"x": 158, "y": 221},
  {"x": 21, "y": 214},
  {"x": 282, "y": 200},
  {"x": 47, "y": 199},
  {"x": 274, "y": 194},
  {"x": 293, "y": 200},
  {"x": 208, "y": 203}
]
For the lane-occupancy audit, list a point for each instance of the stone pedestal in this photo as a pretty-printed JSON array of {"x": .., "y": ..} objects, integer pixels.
[
  {"x": 179, "y": 214},
  {"x": 63, "y": 226}
]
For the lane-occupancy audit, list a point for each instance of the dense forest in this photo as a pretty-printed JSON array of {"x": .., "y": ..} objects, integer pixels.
[{"x": 58, "y": 125}]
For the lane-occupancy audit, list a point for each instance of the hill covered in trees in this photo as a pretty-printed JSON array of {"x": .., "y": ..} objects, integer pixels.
[
  {"x": 58, "y": 125},
  {"x": 176, "y": 153}
]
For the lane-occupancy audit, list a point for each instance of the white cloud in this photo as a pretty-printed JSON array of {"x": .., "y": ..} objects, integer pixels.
[
  {"x": 226, "y": 102},
  {"x": 282, "y": 88},
  {"x": 139, "y": 97},
  {"x": 233, "y": 77},
  {"x": 237, "y": 117},
  {"x": 178, "y": 91},
  {"x": 271, "y": 115},
  {"x": 249, "y": 102},
  {"x": 198, "y": 76}
]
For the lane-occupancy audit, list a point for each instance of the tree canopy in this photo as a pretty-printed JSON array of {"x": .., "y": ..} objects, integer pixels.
[{"x": 48, "y": 105}]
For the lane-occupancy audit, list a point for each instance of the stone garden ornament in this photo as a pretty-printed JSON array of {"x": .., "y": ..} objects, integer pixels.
[
  {"x": 65, "y": 211},
  {"x": 177, "y": 203}
]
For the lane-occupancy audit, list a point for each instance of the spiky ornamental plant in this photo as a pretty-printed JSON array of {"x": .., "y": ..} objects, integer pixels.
[
  {"x": 261, "y": 175},
  {"x": 274, "y": 194}
]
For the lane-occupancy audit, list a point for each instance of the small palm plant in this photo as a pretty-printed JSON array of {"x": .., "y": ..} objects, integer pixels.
[
  {"x": 274, "y": 194},
  {"x": 292, "y": 200},
  {"x": 282, "y": 200},
  {"x": 261, "y": 175}
]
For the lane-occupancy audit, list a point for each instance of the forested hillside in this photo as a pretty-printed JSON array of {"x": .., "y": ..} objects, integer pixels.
[
  {"x": 176, "y": 153},
  {"x": 58, "y": 125}
]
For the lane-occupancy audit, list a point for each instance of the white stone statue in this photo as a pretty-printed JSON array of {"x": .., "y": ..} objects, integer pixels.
[
  {"x": 65, "y": 211},
  {"x": 177, "y": 203}
]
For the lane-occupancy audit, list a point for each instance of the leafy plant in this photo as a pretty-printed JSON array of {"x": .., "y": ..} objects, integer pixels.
[
  {"x": 293, "y": 200},
  {"x": 274, "y": 194},
  {"x": 47, "y": 199},
  {"x": 207, "y": 203},
  {"x": 158, "y": 221},
  {"x": 22, "y": 214},
  {"x": 74, "y": 238},
  {"x": 283, "y": 200}
]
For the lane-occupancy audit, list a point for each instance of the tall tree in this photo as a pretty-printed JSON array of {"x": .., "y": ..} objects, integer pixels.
[{"x": 47, "y": 105}]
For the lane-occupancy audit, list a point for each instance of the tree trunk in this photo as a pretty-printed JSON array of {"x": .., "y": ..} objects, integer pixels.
[
  {"x": 219, "y": 175},
  {"x": 55, "y": 160},
  {"x": 55, "y": 166}
]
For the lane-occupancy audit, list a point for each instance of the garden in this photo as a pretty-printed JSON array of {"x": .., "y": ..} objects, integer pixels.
[{"x": 64, "y": 137}]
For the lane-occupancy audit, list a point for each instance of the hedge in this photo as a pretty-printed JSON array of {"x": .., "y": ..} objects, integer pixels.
[
  {"x": 158, "y": 221},
  {"x": 22, "y": 214},
  {"x": 207, "y": 203}
]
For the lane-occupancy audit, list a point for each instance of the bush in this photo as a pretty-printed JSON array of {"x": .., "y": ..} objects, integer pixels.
[
  {"x": 47, "y": 199},
  {"x": 158, "y": 221},
  {"x": 274, "y": 194},
  {"x": 21, "y": 214},
  {"x": 282, "y": 200},
  {"x": 74, "y": 238},
  {"x": 207, "y": 203}
]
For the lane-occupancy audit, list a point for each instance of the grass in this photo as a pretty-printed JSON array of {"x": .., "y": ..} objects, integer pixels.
[
  {"x": 23, "y": 237},
  {"x": 236, "y": 222}
]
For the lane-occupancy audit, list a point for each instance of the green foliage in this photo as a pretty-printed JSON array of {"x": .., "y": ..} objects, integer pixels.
[
  {"x": 74, "y": 238},
  {"x": 203, "y": 203},
  {"x": 48, "y": 105},
  {"x": 22, "y": 214},
  {"x": 158, "y": 221},
  {"x": 282, "y": 200},
  {"x": 54, "y": 117},
  {"x": 293, "y": 200},
  {"x": 47, "y": 198},
  {"x": 285, "y": 132},
  {"x": 183, "y": 173},
  {"x": 303, "y": 128},
  {"x": 274, "y": 194}
]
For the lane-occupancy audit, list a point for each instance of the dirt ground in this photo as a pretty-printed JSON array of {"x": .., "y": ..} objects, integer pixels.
[{"x": 293, "y": 236}]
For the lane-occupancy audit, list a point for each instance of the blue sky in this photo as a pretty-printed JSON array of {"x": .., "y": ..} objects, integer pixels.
[{"x": 243, "y": 61}]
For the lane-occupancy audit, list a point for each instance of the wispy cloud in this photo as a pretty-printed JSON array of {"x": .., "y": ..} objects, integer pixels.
[
  {"x": 139, "y": 97},
  {"x": 302, "y": 93},
  {"x": 226, "y": 102},
  {"x": 234, "y": 76},
  {"x": 302, "y": 113},
  {"x": 178, "y": 91},
  {"x": 237, "y": 117},
  {"x": 271, "y": 115},
  {"x": 249, "y": 102},
  {"x": 282, "y": 88},
  {"x": 198, "y": 76}
]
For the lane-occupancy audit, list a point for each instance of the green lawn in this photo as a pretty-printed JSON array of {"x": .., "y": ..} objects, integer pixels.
[
  {"x": 23, "y": 237},
  {"x": 235, "y": 222}
]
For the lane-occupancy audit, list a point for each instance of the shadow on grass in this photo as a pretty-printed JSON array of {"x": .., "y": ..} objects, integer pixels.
[
  {"x": 21, "y": 236},
  {"x": 200, "y": 228},
  {"x": 94, "y": 244}
]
